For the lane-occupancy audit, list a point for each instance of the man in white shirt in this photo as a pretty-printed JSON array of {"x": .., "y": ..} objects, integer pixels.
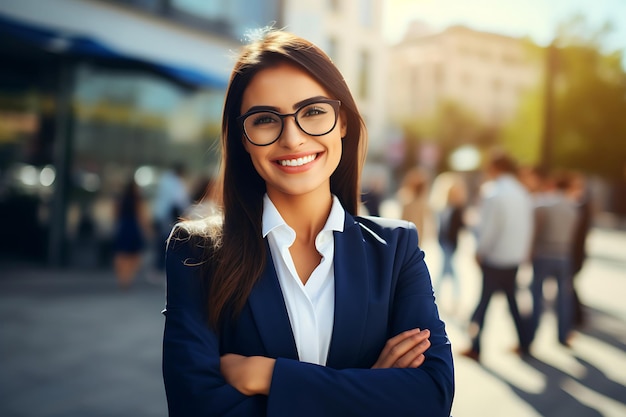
[
  {"x": 171, "y": 200},
  {"x": 504, "y": 237}
]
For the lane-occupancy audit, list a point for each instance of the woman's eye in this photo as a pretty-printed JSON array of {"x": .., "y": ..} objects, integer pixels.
[
  {"x": 264, "y": 118},
  {"x": 313, "y": 111}
]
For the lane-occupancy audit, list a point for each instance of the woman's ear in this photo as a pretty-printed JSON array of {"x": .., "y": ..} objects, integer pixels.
[{"x": 343, "y": 124}]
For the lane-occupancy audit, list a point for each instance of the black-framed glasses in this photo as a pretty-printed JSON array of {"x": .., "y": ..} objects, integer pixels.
[{"x": 263, "y": 127}]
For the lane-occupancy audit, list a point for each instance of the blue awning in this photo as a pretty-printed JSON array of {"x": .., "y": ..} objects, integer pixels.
[
  {"x": 66, "y": 39},
  {"x": 54, "y": 41}
]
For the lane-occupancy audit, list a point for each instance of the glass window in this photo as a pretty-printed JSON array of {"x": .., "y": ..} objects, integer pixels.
[
  {"x": 27, "y": 176},
  {"x": 132, "y": 124},
  {"x": 129, "y": 119}
]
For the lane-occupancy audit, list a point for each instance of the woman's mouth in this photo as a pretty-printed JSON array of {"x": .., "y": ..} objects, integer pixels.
[{"x": 298, "y": 162}]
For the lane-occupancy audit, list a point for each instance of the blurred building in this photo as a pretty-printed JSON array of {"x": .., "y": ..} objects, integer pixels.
[
  {"x": 483, "y": 72},
  {"x": 93, "y": 92}
]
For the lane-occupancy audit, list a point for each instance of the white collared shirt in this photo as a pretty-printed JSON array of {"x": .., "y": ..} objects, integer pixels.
[
  {"x": 506, "y": 225},
  {"x": 311, "y": 307}
]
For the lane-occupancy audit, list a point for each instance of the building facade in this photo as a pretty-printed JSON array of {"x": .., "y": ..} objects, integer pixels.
[{"x": 485, "y": 73}]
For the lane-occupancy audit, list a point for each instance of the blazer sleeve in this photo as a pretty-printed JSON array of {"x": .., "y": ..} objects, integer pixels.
[
  {"x": 194, "y": 385},
  {"x": 428, "y": 391}
]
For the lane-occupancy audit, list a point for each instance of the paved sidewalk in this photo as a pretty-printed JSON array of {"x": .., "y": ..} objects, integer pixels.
[{"x": 73, "y": 345}]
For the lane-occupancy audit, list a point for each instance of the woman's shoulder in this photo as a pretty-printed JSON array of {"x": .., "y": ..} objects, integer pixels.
[
  {"x": 384, "y": 223},
  {"x": 383, "y": 228}
]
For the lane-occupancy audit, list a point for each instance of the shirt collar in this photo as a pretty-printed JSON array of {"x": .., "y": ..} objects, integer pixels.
[{"x": 273, "y": 220}]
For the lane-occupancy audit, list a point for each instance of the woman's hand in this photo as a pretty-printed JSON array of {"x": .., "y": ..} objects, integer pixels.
[
  {"x": 405, "y": 350},
  {"x": 250, "y": 375}
]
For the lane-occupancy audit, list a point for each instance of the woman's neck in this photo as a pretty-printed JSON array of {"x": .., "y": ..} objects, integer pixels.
[{"x": 306, "y": 214}]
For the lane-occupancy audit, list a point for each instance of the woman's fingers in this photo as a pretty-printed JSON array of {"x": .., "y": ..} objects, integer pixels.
[
  {"x": 417, "y": 362},
  {"x": 404, "y": 350},
  {"x": 413, "y": 357}
]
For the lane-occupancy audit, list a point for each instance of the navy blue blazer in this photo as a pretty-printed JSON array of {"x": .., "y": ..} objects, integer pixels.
[{"x": 382, "y": 288}]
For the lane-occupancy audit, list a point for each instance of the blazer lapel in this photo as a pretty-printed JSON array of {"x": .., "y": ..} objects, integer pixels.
[
  {"x": 351, "y": 295},
  {"x": 270, "y": 314}
]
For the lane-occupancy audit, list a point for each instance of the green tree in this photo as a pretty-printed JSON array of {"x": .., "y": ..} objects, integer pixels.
[
  {"x": 588, "y": 107},
  {"x": 522, "y": 136},
  {"x": 590, "y": 103}
]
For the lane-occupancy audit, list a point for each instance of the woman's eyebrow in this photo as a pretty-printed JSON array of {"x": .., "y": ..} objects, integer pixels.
[
  {"x": 307, "y": 101},
  {"x": 296, "y": 106},
  {"x": 262, "y": 108}
]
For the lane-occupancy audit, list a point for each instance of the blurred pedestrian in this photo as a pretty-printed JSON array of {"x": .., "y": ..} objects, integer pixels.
[
  {"x": 171, "y": 201},
  {"x": 504, "y": 236},
  {"x": 555, "y": 224},
  {"x": 450, "y": 221},
  {"x": 132, "y": 228},
  {"x": 578, "y": 192},
  {"x": 413, "y": 199},
  {"x": 533, "y": 178},
  {"x": 372, "y": 196},
  {"x": 284, "y": 305}
]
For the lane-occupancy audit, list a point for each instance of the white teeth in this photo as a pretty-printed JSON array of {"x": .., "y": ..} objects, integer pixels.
[{"x": 297, "y": 162}]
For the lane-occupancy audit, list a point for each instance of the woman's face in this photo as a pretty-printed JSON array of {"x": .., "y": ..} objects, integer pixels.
[{"x": 297, "y": 163}]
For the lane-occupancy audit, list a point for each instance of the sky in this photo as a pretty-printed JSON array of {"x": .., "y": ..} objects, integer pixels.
[{"x": 535, "y": 18}]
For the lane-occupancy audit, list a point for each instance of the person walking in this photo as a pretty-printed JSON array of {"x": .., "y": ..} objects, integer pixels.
[
  {"x": 413, "y": 199},
  {"x": 131, "y": 232},
  {"x": 170, "y": 203},
  {"x": 288, "y": 303},
  {"x": 450, "y": 223},
  {"x": 579, "y": 193},
  {"x": 504, "y": 237},
  {"x": 556, "y": 220}
]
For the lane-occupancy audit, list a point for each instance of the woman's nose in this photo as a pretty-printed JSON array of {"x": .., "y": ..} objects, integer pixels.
[{"x": 292, "y": 136}]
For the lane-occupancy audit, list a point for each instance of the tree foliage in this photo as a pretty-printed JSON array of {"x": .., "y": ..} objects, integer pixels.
[{"x": 588, "y": 113}]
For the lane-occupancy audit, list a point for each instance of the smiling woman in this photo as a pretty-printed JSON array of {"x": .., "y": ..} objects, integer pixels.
[{"x": 288, "y": 302}]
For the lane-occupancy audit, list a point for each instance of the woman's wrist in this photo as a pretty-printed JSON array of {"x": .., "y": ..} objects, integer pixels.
[{"x": 263, "y": 369}]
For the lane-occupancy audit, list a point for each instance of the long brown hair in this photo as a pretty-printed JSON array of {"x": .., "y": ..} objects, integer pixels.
[{"x": 238, "y": 251}]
